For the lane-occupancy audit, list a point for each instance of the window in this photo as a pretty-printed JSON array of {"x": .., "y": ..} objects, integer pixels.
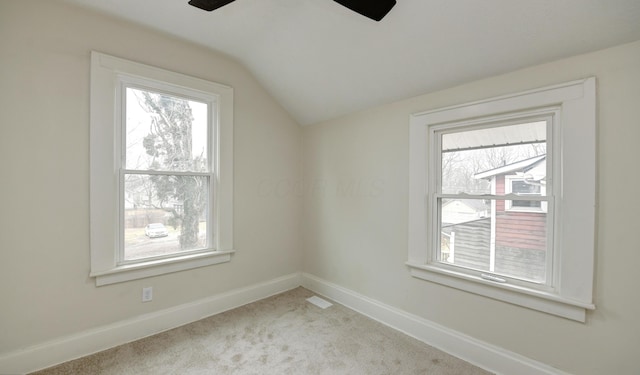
[
  {"x": 525, "y": 186},
  {"x": 161, "y": 171},
  {"x": 502, "y": 192},
  {"x": 496, "y": 241},
  {"x": 520, "y": 186}
]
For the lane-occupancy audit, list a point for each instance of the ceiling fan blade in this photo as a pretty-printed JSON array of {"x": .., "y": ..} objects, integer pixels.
[
  {"x": 374, "y": 9},
  {"x": 209, "y": 5}
]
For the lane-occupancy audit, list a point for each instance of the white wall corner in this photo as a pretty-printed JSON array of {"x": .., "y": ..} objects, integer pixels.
[
  {"x": 479, "y": 353},
  {"x": 91, "y": 341}
]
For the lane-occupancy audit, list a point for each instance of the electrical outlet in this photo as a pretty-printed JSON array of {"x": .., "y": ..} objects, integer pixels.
[{"x": 147, "y": 294}]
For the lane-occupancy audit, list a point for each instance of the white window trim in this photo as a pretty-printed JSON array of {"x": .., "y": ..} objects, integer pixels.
[
  {"x": 574, "y": 207},
  {"x": 508, "y": 189},
  {"x": 106, "y": 73}
]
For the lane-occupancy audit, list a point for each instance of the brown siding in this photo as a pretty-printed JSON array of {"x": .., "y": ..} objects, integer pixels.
[
  {"x": 524, "y": 230},
  {"x": 499, "y": 191},
  {"x": 521, "y": 230}
]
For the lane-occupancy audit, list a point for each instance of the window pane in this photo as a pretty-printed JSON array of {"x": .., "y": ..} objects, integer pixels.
[
  {"x": 165, "y": 133},
  {"x": 481, "y": 235},
  {"x": 465, "y": 236},
  {"x": 471, "y": 159},
  {"x": 530, "y": 204},
  {"x": 522, "y": 187},
  {"x": 164, "y": 214}
]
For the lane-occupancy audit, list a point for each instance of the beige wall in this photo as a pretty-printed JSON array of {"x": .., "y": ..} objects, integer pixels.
[
  {"x": 45, "y": 290},
  {"x": 357, "y": 237}
]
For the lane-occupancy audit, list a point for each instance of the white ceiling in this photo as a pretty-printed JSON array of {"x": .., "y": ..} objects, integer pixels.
[{"x": 321, "y": 60}]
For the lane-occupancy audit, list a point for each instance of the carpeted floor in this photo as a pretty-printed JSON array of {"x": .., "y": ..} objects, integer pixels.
[{"x": 283, "y": 334}]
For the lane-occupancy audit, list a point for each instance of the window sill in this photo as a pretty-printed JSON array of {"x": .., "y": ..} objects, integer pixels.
[
  {"x": 159, "y": 267},
  {"x": 534, "y": 299}
]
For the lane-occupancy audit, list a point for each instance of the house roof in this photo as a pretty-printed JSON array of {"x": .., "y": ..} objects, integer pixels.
[
  {"x": 477, "y": 205},
  {"x": 322, "y": 61},
  {"x": 519, "y": 166}
]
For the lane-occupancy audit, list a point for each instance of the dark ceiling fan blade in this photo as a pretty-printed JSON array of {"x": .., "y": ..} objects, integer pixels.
[
  {"x": 209, "y": 5},
  {"x": 374, "y": 9}
]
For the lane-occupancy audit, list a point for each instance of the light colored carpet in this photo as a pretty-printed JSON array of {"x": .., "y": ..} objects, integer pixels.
[{"x": 283, "y": 334}]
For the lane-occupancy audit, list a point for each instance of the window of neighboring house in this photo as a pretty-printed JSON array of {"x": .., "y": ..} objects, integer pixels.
[
  {"x": 493, "y": 208},
  {"x": 519, "y": 186},
  {"x": 525, "y": 186},
  {"x": 161, "y": 171}
]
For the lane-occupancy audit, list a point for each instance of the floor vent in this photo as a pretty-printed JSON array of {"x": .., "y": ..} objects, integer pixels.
[{"x": 319, "y": 302}]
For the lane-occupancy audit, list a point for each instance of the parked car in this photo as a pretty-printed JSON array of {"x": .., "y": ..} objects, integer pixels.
[{"x": 156, "y": 230}]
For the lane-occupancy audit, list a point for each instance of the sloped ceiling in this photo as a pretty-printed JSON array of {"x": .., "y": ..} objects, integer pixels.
[{"x": 321, "y": 60}]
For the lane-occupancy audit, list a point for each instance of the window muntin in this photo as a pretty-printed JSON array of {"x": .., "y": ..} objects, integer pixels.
[{"x": 481, "y": 236}]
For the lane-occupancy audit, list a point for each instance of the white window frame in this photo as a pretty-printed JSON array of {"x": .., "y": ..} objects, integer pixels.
[
  {"x": 571, "y": 291},
  {"x": 108, "y": 74}
]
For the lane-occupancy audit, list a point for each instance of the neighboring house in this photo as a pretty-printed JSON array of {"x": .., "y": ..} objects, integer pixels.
[
  {"x": 515, "y": 235},
  {"x": 466, "y": 243},
  {"x": 518, "y": 228},
  {"x": 459, "y": 210}
]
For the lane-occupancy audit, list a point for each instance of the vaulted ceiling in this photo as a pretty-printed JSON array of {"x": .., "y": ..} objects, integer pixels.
[{"x": 321, "y": 61}]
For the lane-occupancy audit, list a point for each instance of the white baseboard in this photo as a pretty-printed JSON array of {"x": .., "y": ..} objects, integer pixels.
[
  {"x": 92, "y": 341},
  {"x": 479, "y": 353}
]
